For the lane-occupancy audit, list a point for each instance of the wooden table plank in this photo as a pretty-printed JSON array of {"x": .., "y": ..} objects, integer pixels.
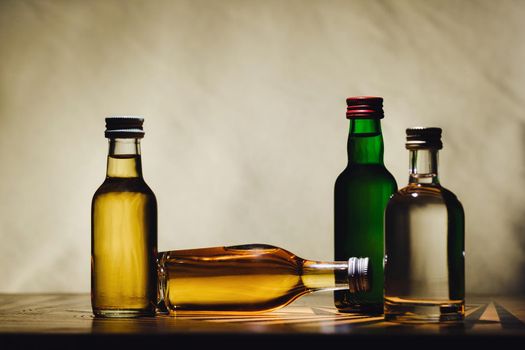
[{"x": 60, "y": 315}]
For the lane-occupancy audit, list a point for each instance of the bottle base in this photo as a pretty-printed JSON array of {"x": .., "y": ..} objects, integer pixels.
[
  {"x": 365, "y": 309},
  {"x": 122, "y": 313},
  {"x": 424, "y": 311}
]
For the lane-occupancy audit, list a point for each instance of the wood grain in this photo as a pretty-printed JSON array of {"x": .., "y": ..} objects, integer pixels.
[{"x": 65, "y": 320}]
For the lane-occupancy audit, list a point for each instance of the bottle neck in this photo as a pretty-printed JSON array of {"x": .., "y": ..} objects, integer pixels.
[
  {"x": 365, "y": 142},
  {"x": 423, "y": 166},
  {"x": 339, "y": 275},
  {"x": 124, "y": 158}
]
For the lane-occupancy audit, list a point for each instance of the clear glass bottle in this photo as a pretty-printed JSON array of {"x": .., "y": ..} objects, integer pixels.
[
  {"x": 124, "y": 229},
  {"x": 425, "y": 242},
  {"x": 249, "y": 278},
  {"x": 361, "y": 194}
]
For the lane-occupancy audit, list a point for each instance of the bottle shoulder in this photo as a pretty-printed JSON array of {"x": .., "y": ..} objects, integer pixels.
[
  {"x": 416, "y": 194},
  {"x": 115, "y": 185},
  {"x": 363, "y": 178},
  {"x": 452, "y": 200},
  {"x": 366, "y": 173}
]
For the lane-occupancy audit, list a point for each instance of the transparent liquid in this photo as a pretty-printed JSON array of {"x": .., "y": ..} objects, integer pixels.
[
  {"x": 424, "y": 261},
  {"x": 240, "y": 279},
  {"x": 124, "y": 241}
]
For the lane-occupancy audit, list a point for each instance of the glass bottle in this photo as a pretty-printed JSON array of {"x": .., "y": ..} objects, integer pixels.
[
  {"x": 361, "y": 194},
  {"x": 425, "y": 241},
  {"x": 124, "y": 229},
  {"x": 249, "y": 278}
]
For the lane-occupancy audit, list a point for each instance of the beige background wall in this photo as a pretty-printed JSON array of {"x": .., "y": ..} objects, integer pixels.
[{"x": 244, "y": 104}]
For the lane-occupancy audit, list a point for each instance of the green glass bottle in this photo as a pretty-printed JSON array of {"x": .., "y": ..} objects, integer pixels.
[{"x": 361, "y": 194}]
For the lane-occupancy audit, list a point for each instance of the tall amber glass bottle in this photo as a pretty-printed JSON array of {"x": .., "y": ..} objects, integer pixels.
[
  {"x": 361, "y": 194},
  {"x": 124, "y": 229}
]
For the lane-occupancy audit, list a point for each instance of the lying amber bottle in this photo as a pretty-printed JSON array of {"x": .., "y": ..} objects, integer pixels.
[{"x": 249, "y": 278}]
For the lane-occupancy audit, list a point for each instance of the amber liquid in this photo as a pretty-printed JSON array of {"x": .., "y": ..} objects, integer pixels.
[
  {"x": 124, "y": 242},
  {"x": 241, "y": 279}
]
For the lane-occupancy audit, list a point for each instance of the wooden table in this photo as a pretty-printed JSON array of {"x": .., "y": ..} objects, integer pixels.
[{"x": 66, "y": 321}]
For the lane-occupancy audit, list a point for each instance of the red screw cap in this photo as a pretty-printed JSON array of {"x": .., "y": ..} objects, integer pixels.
[{"x": 364, "y": 107}]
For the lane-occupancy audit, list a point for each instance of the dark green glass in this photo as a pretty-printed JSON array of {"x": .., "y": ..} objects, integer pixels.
[{"x": 361, "y": 194}]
